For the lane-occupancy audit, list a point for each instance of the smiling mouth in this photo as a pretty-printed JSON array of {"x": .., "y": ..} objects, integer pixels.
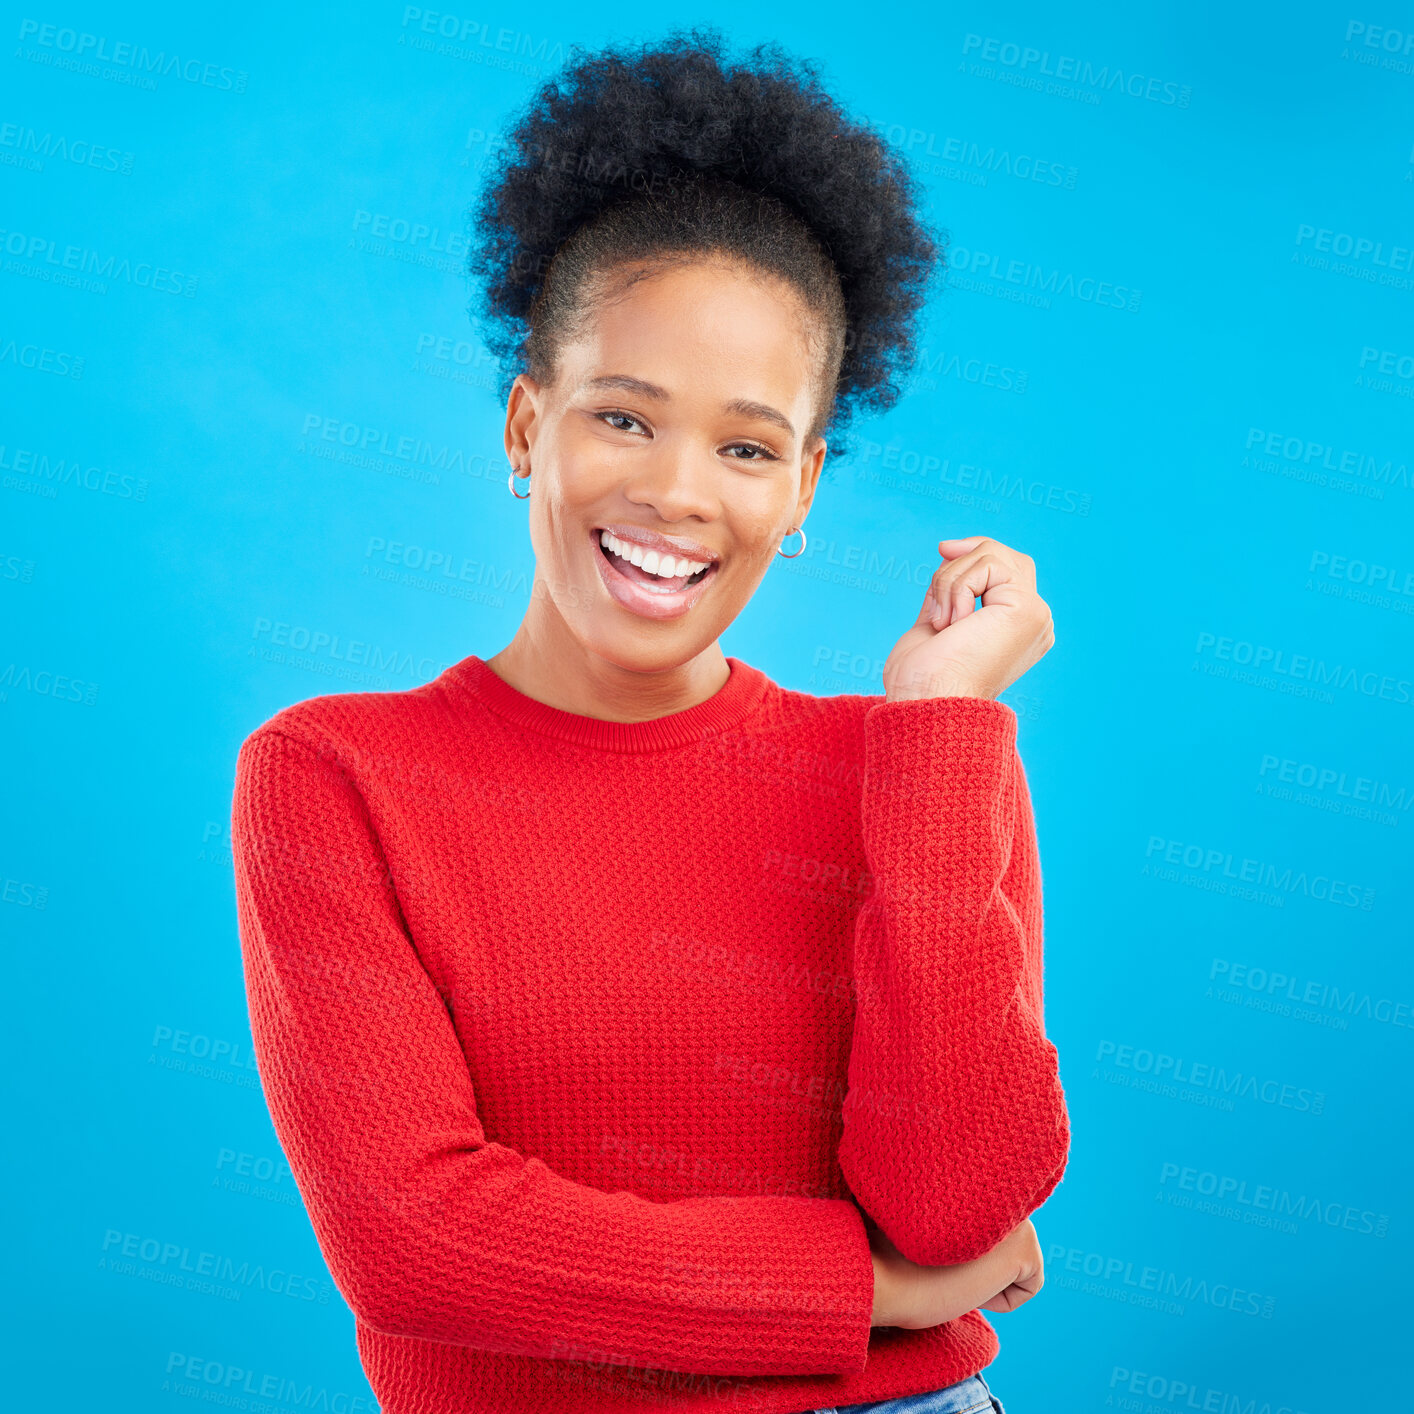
[{"x": 647, "y": 575}]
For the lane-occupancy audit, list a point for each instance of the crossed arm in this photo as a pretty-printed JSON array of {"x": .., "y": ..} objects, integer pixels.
[{"x": 955, "y": 1121}]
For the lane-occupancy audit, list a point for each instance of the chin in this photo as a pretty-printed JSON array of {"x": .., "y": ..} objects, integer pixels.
[{"x": 656, "y": 649}]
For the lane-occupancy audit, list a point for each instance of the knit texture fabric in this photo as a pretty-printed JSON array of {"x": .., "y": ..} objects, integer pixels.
[{"x": 587, "y": 1041}]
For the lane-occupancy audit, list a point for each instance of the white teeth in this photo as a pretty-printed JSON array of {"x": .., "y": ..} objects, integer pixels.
[{"x": 651, "y": 561}]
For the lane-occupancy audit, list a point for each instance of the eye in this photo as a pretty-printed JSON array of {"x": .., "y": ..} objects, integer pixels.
[
  {"x": 762, "y": 453},
  {"x": 616, "y": 417}
]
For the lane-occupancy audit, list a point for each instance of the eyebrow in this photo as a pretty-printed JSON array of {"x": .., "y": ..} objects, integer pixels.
[{"x": 746, "y": 407}]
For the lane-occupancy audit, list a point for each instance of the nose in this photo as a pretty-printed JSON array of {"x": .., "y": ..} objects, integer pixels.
[{"x": 676, "y": 482}]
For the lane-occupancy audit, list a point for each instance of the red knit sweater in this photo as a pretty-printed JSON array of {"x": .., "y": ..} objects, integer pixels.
[{"x": 583, "y": 1038}]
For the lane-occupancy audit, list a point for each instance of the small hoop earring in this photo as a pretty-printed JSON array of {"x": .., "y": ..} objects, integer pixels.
[
  {"x": 511, "y": 482},
  {"x": 797, "y": 530}
]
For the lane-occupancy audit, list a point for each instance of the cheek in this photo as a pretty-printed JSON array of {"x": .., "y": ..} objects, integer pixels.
[
  {"x": 758, "y": 527},
  {"x": 586, "y": 470},
  {"x": 758, "y": 544}
]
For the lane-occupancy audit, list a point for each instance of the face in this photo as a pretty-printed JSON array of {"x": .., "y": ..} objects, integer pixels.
[{"x": 675, "y": 433}]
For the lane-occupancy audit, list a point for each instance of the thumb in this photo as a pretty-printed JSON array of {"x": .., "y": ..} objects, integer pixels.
[{"x": 930, "y": 615}]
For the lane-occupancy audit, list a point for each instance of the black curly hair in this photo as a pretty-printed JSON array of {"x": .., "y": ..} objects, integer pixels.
[{"x": 669, "y": 151}]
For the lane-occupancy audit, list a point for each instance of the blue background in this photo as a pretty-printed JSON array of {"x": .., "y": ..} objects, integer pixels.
[{"x": 1175, "y": 365}]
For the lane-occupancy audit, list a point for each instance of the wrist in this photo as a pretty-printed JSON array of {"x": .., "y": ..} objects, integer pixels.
[
  {"x": 882, "y": 1313},
  {"x": 917, "y": 692}
]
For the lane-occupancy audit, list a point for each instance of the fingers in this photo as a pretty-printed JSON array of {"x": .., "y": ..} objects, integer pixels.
[
  {"x": 957, "y": 584},
  {"x": 969, "y": 546},
  {"x": 959, "y": 546},
  {"x": 974, "y": 565}
]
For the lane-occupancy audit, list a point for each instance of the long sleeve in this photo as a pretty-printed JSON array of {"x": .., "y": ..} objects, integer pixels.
[
  {"x": 429, "y": 1228},
  {"x": 955, "y": 1121}
]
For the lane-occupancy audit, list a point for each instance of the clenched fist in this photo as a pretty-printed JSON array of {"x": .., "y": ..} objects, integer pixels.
[{"x": 957, "y": 650}]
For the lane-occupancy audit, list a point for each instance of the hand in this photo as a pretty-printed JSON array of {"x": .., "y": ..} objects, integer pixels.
[
  {"x": 956, "y": 650},
  {"x": 915, "y": 1297},
  {"x": 1018, "y": 1252}
]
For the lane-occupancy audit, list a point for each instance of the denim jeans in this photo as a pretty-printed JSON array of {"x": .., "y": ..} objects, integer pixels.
[{"x": 969, "y": 1396}]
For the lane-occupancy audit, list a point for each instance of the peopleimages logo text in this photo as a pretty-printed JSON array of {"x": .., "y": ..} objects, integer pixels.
[
  {"x": 98, "y": 48},
  {"x": 1109, "y": 78},
  {"x": 1357, "y": 247}
]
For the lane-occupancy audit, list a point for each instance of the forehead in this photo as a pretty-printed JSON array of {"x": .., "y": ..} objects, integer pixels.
[{"x": 698, "y": 321}]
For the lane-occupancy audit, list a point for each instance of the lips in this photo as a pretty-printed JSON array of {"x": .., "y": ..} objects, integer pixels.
[{"x": 648, "y": 595}]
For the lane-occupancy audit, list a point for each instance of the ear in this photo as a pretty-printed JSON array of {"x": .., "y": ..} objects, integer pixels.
[
  {"x": 811, "y": 463},
  {"x": 522, "y": 409}
]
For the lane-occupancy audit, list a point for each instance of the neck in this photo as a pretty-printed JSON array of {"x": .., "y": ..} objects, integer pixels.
[{"x": 547, "y": 662}]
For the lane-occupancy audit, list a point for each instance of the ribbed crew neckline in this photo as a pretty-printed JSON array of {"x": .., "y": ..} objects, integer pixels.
[{"x": 730, "y": 704}]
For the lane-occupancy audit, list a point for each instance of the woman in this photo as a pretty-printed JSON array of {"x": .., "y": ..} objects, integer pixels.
[{"x": 640, "y": 1032}]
